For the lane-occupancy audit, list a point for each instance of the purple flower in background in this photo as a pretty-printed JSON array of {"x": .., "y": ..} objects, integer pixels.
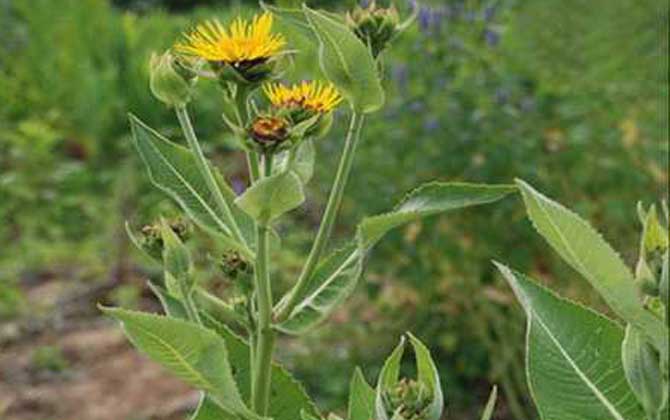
[
  {"x": 365, "y": 3},
  {"x": 492, "y": 37},
  {"x": 425, "y": 18},
  {"x": 432, "y": 124},
  {"x": 416, "y": 106},
  {"x": 401, "y": 76},
  {"x": 412, "y": 5},
  {"x": 238, "y": 186}
]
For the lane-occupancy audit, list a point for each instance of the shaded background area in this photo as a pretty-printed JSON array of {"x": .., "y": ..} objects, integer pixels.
[{"x": 571, "y": 96}]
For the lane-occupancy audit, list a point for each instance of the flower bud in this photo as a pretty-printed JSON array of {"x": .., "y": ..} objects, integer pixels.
[
  {"x": 409, "y": 399},
  {"x": 269, "y": 133},
  {"x": 150, "y": 239},
  {"x": 642, "y": 366},
  {"x": 239, "y": 271},
  {"x": 375, "y": 26},
  {"x": 170, "y": 80}
]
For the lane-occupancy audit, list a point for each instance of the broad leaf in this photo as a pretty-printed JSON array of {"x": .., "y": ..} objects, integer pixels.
[
  {"x": 302, "y": 164},
  {"x": 346, "y": 62},
  {"x": 490, "y": 405},
  {"x": 273, "y": 196},
  {"x": 588, "y": 253},
  {"x": 337, "y": 275},
  {"x": 573, "y": 357},
  {"x": 287, "y": 398},
  {"x": 333, "y": 281},
  {"x": 361, "y": 398},
  {"x": 173, "y": 169},
  {"x": 194, "y": 354}
]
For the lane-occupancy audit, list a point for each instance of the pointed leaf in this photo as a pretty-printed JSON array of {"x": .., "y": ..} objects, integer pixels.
[
  {"x": 173, "y": 169},
  {"x": 361, "y": 398},
  {"x": 588, "y": 253},
  {"x": 573, "y": 357},
  {"x": 347, "y": 62},
  {"x": 271, "y": 197},
  {"x": 337, "y": 275},
  {"x": 194, "y": 354},
  {"x": 428, "y": 375}
]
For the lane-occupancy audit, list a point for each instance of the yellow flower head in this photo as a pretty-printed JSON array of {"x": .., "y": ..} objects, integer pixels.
[
  {"x": 312, "y": 96},
  {"x": 243, "y": 42}
]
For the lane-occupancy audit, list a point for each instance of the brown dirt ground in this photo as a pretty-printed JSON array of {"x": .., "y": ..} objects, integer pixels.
[{"x": 97, "y": 384}]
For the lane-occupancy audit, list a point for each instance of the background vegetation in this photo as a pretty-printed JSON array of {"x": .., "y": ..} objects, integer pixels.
[{"x": 572, "y": 97}]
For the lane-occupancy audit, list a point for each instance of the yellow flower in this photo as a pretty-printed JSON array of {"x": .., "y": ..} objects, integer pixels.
[
  {"x": 312, "y": 96},
  {"x": 243, "y": 42}
]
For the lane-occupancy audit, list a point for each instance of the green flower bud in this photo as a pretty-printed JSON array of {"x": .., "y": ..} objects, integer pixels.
[
  {"x": 409, "y": 399},
  {"x": 642, "y": 365},
  {"x": 150, "y": 239},
  {"x": 171, "y": 81},
  {"x": 375, "y": 26}
]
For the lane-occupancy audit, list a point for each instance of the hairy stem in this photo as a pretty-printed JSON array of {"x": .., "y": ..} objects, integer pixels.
[
  {"x": 326, "y": 227},
  {"x": 265, "y": 336},
  {"x": 205, "y": 170}
]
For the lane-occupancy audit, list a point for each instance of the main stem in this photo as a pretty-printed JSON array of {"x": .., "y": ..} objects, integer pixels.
[
  {"x": 326, "y": 227},
  {"x": 265, "y": 335},
  {"x": 205, "y": 170}
]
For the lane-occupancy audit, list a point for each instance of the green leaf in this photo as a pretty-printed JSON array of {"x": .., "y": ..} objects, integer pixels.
[
  {"x": 209, "y": 410},
  {"x": 361, "y": 398},
  {"x": 287, "y": 399},
  {"x": 337, "y": 275},
  {"x": 347, "y": 62},
  {"x": 303, "y": 162},
  {"x": 271, "y": 197},
  {"x": 333, "y": 281},
  {"x": 194, "y": 354},
  {"x": 588, "y": 253},
  {"x": 427, "y": 200},
  {"x": 490, "y": 405},
  {"x": 173, "y": 169},
  {"x": 642, "y": 366},
  {"x": 573, "y": 357},
  {"x": 287, "y": 396}
]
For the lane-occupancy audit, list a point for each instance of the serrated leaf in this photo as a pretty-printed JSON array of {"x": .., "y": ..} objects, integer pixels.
[
  {"x": 361, "y": 398},
  {"x": 196, "y": 355},
  {"x": 490, "y": 405},
  {"x": 173, "y": 169},
  {"x": 573, "y": 357},
  {"x": 427, "y": 200},
  {"x": 333, "y": 281},
  {"x": 287, "y": 398},
  {"x": 346, "y": 62},
  {"x": 337, "y": 275},
  {"x": 583, "y": 248},
  {"x": 271, "y": 197}
]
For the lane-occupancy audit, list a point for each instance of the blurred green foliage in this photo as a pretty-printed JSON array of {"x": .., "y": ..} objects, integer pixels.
[{"x": 572, "y": 98}]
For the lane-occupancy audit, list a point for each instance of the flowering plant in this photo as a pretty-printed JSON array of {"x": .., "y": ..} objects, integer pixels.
[{"x": 224, "y": 346}]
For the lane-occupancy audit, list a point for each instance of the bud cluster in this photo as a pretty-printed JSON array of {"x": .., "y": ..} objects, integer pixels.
[
  {"x": 151, "y": 238},
  {"x": 408, "y": 400},
  {"x": 375, "y": 26}
]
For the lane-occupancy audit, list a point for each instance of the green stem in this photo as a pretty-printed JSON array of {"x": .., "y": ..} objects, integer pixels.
[
  {"x": 242, "y": 112},
  {"x": 326, "y": 227},
  {"x": 205, "y": 170},
  {"x": 260, "y": 395}
]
